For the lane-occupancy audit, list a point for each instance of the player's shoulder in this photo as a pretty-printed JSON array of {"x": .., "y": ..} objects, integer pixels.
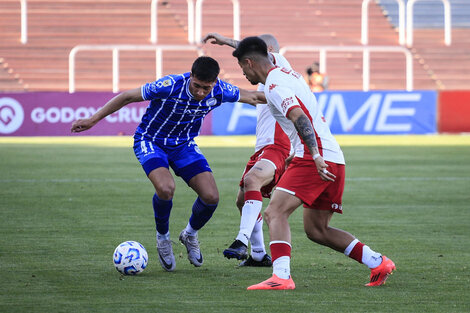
[
  {"x": 174, "y": 79},
  {"x": 280, "y": 61},
  {"x": 278, "y": 74},
  {"x": 168, "y": 81},
  {"x": 224, "y": 86}
]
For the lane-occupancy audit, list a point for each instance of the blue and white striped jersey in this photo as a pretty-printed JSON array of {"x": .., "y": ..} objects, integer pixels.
[{"x": 173, "y": 115}]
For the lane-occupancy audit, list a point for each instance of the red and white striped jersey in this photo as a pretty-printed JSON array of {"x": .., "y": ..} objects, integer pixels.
[
  {"x": 267, "y": 130},
  {"x": 286, "y": 89}
]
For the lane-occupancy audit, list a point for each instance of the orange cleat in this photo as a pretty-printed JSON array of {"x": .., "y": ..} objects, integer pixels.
[
  {"x": 379, "y": 275},
  {"x": 274, "y": 283}
]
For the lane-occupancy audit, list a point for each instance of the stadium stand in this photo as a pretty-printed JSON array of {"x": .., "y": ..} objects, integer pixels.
[
  {"x": 55, "y": 27},
  {"x": 448, "y": 66}
]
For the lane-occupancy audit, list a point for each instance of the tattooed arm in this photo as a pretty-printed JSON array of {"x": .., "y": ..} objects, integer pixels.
[
  {"x": 306, "y": 132},
  {"x": 220, "y": 40}
]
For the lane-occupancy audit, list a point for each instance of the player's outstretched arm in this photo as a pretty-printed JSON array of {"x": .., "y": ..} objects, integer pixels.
[
  {"x": 110, "y": 107},
  {"x": 305, "y": 130},
  {"x": 252, "y": 97},
  {"x": 218, "y": 39}
]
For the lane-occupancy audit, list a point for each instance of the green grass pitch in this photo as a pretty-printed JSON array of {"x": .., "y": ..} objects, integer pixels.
[{"x": 65, "y": 207}]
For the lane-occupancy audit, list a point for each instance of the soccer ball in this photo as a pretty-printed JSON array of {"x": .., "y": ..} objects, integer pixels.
[{"x": 130, "y": 258}]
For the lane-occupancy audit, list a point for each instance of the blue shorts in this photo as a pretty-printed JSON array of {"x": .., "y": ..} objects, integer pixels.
[{"x": 186, "y": 160}]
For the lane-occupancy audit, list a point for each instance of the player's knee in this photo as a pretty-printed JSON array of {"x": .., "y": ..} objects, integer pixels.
[
  {"x": 269, "y": 215},
  {"x": 251, "y": 182},
  {"x": 210, "y": 197},
  {"x": 315, "y": 234},
  {"x": 165, "y": 192}
]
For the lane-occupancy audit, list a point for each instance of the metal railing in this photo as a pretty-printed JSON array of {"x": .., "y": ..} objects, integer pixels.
[
  {"x": 24, "y": 21},
  {"x": 365, "y": 22},
  {"x": 154, "y": 24},
  {"x": 365, "y": 59},
  {"x": 236, "y": 20},
  {"x": 194, "y": 20},
  {"x": 409, "y": 22},
  {"x": 116, "y": 49}
]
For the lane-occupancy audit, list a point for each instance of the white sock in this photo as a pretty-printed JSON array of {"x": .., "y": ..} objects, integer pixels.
[
  {"x": 163, "y": 236},
  {"x": 250, "y": 212},
  {"x": 190, "y": 231},
  {"x": 349, "y": 248},
  {"x": 258, "y": 250},
  {"x": 281, "y": 267},
  {"x": 371, "y": 258}
]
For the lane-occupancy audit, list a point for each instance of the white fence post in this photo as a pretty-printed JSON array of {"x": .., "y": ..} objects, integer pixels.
[
  {"x": 409, "y": 22},
  {"x": 24, "y": 21},
  {"x": 198, "y": 23},
  {"x": 116, "y": 49},
  {"x": 366, "y": 58},
  {"x": 236, "y": 19},
  {"x": 115, "y": 70},
  {"x": 365, "y": 22},
  {"x": 191, "y": 38},
  {"x": 153, "y": 21}
]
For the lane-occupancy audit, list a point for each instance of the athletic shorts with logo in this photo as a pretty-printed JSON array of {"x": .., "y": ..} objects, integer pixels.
[
  {"x": 277, "y": 157},
  {"x": 302, "y": 180},
  {"x": 186, "y": 159}
]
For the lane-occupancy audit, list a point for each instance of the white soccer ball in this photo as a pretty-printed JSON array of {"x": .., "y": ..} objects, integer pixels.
[{"x": 130, "y": 258}]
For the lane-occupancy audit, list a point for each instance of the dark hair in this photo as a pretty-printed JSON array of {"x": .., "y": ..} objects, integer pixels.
[
  {"x": 250, "y": 46},
  {"x": 206, "y": 69}
]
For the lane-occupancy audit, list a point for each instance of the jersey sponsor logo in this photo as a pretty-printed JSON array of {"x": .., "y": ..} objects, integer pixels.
[
  {"x": 189, "y": 111},
  {"x": 272, "y": 86},
  {"x": 286, "y": 102},
  {"x": 11, "y": 115},
  {"x": 291, "y": 72},
  {"x": 296, "y": 75}
]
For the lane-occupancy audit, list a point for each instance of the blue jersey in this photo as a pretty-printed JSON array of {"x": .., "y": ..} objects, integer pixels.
[{"x": 173, "y": 115}]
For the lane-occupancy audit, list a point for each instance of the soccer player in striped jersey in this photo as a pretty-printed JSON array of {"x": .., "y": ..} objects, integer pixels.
[
  {"x": 262, "y": 171},
  {"x": 314, "y": 178},
  {"x": 165, "y": 138}
]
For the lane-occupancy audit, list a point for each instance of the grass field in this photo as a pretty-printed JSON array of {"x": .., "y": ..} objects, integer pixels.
[{"x": 66, "y": 204}]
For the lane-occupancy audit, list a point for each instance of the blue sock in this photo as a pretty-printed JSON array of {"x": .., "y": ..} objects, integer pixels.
[
  {"x": 162, "y": 209},
  {"x": 202, "y": 213}
]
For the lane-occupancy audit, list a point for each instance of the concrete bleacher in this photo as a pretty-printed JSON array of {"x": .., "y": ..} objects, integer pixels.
[
  {"x": 430, "y": 13},
  {"x": 448, "y": 66},
  {"x": 319, "y": 22},
  {"x": 55, "y": 27}
]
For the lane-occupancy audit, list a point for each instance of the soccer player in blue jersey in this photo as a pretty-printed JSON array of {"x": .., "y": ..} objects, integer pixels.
[{"x": 165, "y": 138}]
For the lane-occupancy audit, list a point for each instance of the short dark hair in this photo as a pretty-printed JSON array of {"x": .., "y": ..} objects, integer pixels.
[
  {"x": 250, "y": 46},
  {"x": 205, "y": 69}
]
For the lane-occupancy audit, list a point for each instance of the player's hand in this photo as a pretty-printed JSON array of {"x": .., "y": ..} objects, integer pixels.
[
  {"x": 81, "y": 125},
  {"x": 217, "y": 39},
  {"x": 322, "y": 171}
]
